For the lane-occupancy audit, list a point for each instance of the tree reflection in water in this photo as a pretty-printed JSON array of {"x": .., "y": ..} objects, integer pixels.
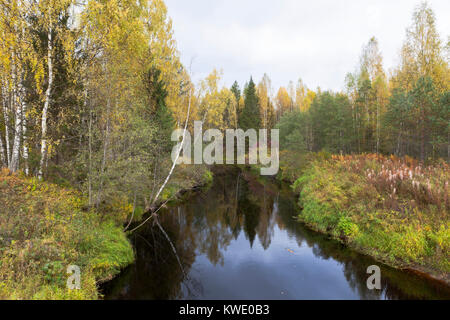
[{"x": 209, "y": 232}]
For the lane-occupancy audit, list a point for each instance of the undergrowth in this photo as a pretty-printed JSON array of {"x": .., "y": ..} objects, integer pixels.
[{"x": 44, "y": 228}]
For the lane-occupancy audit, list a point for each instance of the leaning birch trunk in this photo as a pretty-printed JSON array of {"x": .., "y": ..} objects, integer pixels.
[
  {"x": 46, "y": 105},
  {"x": 179, "y": 149},
  {"x": 170, "y": 173}
]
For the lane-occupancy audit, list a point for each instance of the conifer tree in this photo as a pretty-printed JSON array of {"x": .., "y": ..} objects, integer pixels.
[{"x": 250, "y": 118}]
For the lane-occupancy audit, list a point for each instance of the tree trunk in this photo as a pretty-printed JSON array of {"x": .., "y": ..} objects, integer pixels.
[
  {"x": 90, "y": 148},
  {"x": 422, "y": 137},
  {"x": 105, "y": 151},
  {"x": 2, "y": 147},
  {"x": 14, "y": 164},
  {"x": 179, "y": 150},
  {"x": 14, "y": 161},
  {"x": 6, "y": 117},
  {"x": 2, "y": 153},
  {"x": 399, "y": 139},
  {"x": 24, "y": 134},
  {"x": 46, "y": 105}
]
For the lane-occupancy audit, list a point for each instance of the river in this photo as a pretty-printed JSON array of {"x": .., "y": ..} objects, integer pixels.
[{"x": 240, "y": 240}]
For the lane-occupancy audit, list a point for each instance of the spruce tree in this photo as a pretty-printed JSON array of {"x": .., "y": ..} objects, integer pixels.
[
  {"x": 236, "y": 91},
  {"x": 250, "y": 118},
  {"x": 160, "y": 113},
  {"x": 237, "y": 97}
]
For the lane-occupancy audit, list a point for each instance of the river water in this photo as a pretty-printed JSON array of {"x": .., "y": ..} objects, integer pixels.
[{"x": 240, "y": 240}]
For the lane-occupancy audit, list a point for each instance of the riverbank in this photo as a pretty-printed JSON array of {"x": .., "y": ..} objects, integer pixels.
[
  {"x": 392, "y": 209},
  {"x": 44, "y": 228}
]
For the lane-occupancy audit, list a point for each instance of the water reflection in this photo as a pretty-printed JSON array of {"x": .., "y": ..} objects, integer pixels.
[{"x": 239, "y": 240}]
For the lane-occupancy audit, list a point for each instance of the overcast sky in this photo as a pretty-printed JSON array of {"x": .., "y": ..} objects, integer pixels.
[{"x": 319, "y": 41}]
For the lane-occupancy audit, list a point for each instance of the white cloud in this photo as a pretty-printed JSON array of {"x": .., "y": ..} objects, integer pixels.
[{"x": 318, "y": 41}]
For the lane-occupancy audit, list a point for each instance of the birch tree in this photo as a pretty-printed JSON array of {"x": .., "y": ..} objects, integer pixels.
[{"x": 16, "y": 53}]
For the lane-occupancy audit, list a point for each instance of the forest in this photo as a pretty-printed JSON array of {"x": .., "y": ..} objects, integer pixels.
[{"x": 92, "y": 90}]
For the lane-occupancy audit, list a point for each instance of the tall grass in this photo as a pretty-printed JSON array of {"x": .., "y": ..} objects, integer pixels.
[{"x": 395, "y": 209}]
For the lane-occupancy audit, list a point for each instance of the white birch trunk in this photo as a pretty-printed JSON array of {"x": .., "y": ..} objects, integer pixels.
[
  {"x": 14, "y": 161},
  {"x": 2, "y": 152},
  {"x": 14, "y": 164},
  {"x": 6, "y": 117},
  {"x": 2, "y": 147},
  {"x": 23, "y": 105},
  {"x": 24, "y": 134},
  {"x": 46, "y": 105}
]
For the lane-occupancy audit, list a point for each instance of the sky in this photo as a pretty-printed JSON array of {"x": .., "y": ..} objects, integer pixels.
[{"x": 318, "y": 41}]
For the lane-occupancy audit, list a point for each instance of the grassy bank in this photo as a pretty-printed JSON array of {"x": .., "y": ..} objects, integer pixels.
[
  {"x": 395, "y": 210},
  {"x": 45, "y": 228}
]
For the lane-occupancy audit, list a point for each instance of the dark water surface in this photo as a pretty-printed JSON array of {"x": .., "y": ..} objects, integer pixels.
[{"x": 239, "y": 240}]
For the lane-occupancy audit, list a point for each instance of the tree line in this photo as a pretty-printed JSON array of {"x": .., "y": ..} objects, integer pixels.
[
  {"x": 405, "y": 112},
  {"x": 91, "y": 90}
]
